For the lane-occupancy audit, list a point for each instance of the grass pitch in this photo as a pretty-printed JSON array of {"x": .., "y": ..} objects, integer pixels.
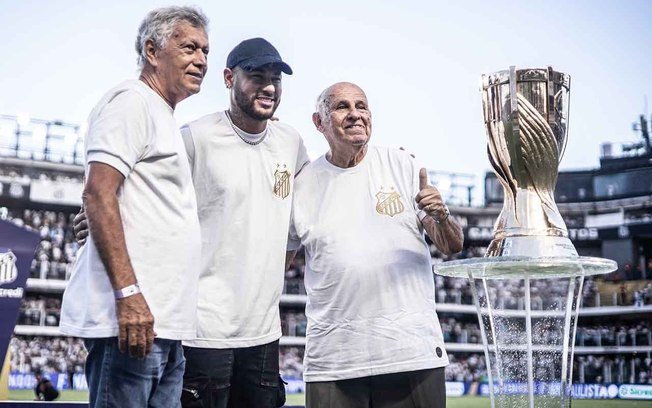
[{"x": 299, "y": 399}]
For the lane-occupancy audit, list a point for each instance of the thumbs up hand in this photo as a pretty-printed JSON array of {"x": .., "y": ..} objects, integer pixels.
[{"x": 429, "y": 200}]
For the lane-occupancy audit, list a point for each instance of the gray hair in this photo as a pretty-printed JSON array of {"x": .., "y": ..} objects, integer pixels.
[
  {"x": 159, "y": 24},
  {"x": 323, "y": 102}
]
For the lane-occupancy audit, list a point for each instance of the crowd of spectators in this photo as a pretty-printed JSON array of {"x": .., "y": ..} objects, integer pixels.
[
  {"x": 466, "y": 367},
  {"x": 587, "y": 369},
  {"x": 57, "y": 249},
  {"x": 619, "y": 334},
  {"x": 40, "y": 310},
  {"x": 545, "y": 294},
  {"x": 643, "y": 296},
  {"x": 638, "y": 217},
  {"x": 47, "y": 354},
  {"x": 18, "y": 174},
  {"x": 67, "y": 355},
  {"x": 615, "y": 368},
  {"x": 291, "y": 362},
  {"x": 293, "y": 323},
  {"x": 294, "y": 276},
  {"x": 630, "y": 293}
]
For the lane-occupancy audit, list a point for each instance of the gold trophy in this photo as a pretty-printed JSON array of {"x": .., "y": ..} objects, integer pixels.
[
  {"x": 526, "y": 119},
  {"x": 528, "y": 288}
]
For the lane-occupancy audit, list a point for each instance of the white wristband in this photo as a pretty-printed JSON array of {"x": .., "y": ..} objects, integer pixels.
[{"x": 126, "y": 291}]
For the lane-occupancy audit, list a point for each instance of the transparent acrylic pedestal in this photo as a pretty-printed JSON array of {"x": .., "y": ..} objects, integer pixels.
[{"x": 528, "y": 308}]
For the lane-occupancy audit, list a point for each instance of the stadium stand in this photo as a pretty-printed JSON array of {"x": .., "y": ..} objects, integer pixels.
[{"x": 42, "y": 191}]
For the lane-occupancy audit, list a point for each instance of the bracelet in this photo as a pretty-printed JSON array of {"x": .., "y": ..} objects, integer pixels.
[
  {"x": 126, "y": 291},
  {"x": 447, "y": 213}
]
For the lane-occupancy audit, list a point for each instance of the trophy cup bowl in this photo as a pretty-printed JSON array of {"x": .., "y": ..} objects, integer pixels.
[
  {"x": 526, "y": 119},
  {"x": 528, "y": 288}
]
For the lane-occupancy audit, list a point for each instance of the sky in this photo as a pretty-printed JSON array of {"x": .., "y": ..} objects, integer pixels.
[{"x": 419, "y": 62}]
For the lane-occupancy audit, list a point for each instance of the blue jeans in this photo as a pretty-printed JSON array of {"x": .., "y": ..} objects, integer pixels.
[
  {"x": 117, "y": 380},
  {"x": 232, "y": 378}
]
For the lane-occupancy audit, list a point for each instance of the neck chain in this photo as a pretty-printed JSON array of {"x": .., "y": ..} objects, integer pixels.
[{"x": 240, "y": 132}]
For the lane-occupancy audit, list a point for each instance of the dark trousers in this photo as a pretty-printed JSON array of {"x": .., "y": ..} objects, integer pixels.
[
  {"x": 232, "y": 378},
  {"x": 412, "y": 389}
]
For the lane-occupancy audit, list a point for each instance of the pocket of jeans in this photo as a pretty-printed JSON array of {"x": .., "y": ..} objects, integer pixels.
[
  {"x": 192, "y": 394},
  {"x": 280, "y": 395},
  {"x": 269, "y": 376}
]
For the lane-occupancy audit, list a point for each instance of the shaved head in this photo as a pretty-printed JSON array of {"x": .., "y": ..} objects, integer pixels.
[{"x": 324, "y": 98}]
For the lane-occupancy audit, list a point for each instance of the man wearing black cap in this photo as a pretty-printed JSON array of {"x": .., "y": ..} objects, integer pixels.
[{"x": 243, "y": 169}]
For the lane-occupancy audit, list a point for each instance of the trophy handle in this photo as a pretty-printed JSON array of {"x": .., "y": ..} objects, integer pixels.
[{"x": 559, "y": 113}]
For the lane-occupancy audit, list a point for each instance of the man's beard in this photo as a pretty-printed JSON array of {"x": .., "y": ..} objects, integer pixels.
[{"x": 247, "y": 105}]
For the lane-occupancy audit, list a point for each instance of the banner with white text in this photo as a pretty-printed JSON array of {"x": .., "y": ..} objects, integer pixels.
[{"x": 17, "y": 247}]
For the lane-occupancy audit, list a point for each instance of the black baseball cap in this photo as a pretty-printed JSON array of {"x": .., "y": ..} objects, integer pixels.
[{"x": 254, "y": 53}]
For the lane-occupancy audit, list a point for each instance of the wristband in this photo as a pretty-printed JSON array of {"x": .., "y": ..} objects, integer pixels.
[
  {"x": 446, "y": 214},
  {"x": 126, "y": 291}
]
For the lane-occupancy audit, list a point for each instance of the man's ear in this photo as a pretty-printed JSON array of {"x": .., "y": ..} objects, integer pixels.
[
  {"x": 316, "y": 119},
  {"x": 229, "y": 78},
  {"x": 150, "y": 52}
]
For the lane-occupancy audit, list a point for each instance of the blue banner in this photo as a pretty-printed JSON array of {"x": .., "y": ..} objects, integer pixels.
[
  {"x": 61, "y": 381},
  {"x": 578, "y": 391},
  {"x": 17, "y": 247},
  {"x": 26, "y": 381}
]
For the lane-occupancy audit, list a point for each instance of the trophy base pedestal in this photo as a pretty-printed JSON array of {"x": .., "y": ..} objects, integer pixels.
[
  {"x": 541, "y": 267},
  {"x": 531, "y": 246},
  {"x": 527, "y": 309}
]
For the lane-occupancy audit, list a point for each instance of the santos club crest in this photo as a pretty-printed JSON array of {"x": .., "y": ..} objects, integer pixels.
[
  {"x": 8, "y": 271},
  {"x": 281, "y": 181},
  {"x": 389, "y": 203}
]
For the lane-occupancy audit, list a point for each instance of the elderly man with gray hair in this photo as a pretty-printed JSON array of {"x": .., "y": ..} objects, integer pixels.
[
  {"x": 132, "y": 294},
  {"x": 360, "y": 211}
]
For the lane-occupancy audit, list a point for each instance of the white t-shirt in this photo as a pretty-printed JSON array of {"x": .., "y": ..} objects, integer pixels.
[
  {"x": 369, "y": 279},
  {"x": 244, "y": 197},
  {"x": 132, "y": 130}
]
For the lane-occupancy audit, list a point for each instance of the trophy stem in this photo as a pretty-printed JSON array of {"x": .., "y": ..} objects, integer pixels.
[
  {"x": 483, "y": 332},
  {"x": 528, "y": 337}
]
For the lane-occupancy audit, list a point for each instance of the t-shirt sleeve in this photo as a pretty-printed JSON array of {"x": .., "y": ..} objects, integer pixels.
[
  {"x": 119, "y": 134},
  {"x": 302, "y": 157},
  {"x": 294, "y": 242},
  {"x": 189, "y": 143}
]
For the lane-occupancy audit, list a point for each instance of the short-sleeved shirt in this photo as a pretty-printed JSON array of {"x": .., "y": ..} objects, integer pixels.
[
  {"x": 368, "y": 276},
  {"x": 133, "y": 130},
  {"x": 244, "y": 198}
]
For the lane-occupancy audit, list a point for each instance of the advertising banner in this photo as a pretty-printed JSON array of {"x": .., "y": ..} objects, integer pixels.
[
  {"x": 17, "y": 247},
  {"x": 486, "y": 234},
  {"x": 77, "y": 381},
  {"x": 14, "y": 190},
  {"x": 579, "y": 391},
  {"x": 61, "y": 381},
  {"x": 56, "y": 192}
]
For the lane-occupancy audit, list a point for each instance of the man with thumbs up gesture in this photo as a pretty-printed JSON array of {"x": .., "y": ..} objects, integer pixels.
[
  {"x": 442, "y": 230},
  {"x": 360, "y": 211}
]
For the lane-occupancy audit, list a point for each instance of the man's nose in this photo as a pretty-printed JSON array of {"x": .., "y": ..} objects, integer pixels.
[
  {"x": 354, "y": 113},
  {"x": 201, "y": 60},
  {"x": 269, "y": 86}
]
